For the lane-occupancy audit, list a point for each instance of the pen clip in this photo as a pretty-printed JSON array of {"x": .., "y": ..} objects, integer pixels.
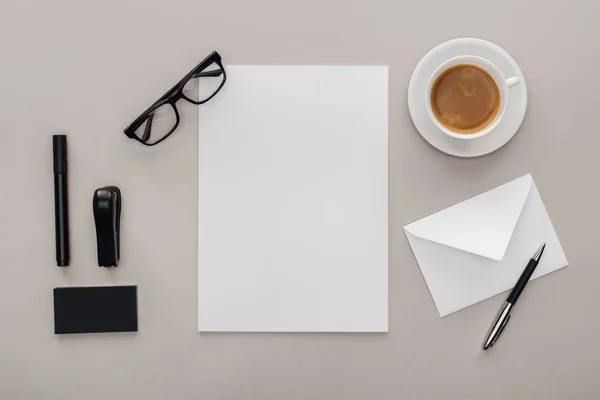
[{"x": 500, "y": 330}]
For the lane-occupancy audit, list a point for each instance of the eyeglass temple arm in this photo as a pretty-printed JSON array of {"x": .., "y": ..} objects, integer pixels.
[
  {"x": 213, "y": 74},
  {"x": 148, "y": 128}
]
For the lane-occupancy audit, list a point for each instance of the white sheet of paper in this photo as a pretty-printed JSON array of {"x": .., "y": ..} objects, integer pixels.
[
  {"x": 479, "y": 248},
  {"x": 293, "y": 201}
]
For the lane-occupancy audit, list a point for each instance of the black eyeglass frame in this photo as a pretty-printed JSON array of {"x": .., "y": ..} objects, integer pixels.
[{"x": 173, "y": 95}]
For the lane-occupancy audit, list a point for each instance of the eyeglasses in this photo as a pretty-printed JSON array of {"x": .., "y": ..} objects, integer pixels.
[{"x": 161, "y": 119}]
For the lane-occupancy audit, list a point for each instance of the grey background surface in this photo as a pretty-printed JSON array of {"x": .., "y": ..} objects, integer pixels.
[{"x": 88, "y": 68}]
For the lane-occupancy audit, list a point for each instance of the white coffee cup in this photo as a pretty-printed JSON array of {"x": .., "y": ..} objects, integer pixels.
[{"x": 502, "y": 83}]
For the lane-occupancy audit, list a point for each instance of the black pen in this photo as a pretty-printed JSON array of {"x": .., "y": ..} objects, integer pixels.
[
  {"x": 61, "y": 200},
  {"x": 504, "y": 314}
]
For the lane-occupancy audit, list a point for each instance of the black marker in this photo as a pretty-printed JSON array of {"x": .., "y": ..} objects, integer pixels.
[{"x": 61, "y": 200}]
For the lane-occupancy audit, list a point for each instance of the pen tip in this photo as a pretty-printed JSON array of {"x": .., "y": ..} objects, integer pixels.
[{"x": 539, "y": 253}]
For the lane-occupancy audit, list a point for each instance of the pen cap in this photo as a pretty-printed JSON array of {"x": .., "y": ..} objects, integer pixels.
[{"x": 59, "y": 148}]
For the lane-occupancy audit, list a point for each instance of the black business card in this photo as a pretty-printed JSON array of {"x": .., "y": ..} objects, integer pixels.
[{"x": 95, "y": 309}]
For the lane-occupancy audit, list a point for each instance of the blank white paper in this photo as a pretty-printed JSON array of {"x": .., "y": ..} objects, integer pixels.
[{"x": 293, "y": 201}]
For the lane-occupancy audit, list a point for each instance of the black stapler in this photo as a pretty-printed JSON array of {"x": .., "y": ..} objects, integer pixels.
[{"x": 107, "y": 215}]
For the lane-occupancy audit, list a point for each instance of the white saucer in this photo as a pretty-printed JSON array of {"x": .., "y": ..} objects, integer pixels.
[{"x": 517, "y": 100}]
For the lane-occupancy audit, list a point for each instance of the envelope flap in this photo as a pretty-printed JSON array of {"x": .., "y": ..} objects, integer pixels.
[{"x": 481, "y": 225}]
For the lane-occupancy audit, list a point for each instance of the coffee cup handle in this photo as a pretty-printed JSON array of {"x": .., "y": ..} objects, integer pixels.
[{"x": 510, "y": 82}]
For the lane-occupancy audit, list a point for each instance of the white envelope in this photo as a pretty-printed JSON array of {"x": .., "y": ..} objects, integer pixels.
[{"x": 479, "y": 248}]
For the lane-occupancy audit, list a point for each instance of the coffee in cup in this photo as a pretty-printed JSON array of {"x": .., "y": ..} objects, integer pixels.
[
  {"x": 465, "y": 99},
  {"x": 467, "y": 96}
]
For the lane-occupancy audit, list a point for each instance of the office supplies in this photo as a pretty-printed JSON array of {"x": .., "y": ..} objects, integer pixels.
[
  {"x": 95, "y": 309},
  {"x": 161, "y": 119},
  {"x": 293, "y": 201},
  {"x": 417, "y": 97},
  {"x": 61, "y": 200},
  {"x": 472, "y": 250},
  {"x": 107, "y": 216},
  {"x": 504, "y": 313}
]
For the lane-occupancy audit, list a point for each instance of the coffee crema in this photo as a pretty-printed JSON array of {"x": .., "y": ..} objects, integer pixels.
[{"x": 465, "y": 99}]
